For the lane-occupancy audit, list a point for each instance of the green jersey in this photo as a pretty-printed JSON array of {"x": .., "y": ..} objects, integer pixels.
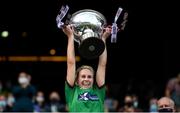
[{"x": 85, "y": 100}]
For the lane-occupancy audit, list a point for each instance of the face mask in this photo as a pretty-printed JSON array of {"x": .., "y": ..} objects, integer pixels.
[
  {"x": 165, "y": 110},
  {"x": 153, "y": 108},
  {"x": 23, "y": 80},
  {"x": 10, "y": 100},
  {"x": 2, "y": 103},
  {"x": 135, "y": 104},
  {"x": 39, "y": 99}
]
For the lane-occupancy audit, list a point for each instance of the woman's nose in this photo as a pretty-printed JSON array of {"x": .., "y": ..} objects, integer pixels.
[{"x": 86, "y": 78}]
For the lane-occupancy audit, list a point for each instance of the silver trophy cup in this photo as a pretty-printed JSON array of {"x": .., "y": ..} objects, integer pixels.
[{"x": 88, "y": 26}]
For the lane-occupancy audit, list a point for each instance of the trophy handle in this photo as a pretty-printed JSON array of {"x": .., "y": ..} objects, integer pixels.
[
  {"x": 114, "y": 26},
  {"x": 62, "y": 13},
  {"x": 114, "y": 33}
]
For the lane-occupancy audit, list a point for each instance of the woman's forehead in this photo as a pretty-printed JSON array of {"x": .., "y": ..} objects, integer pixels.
[{"x": 85, "y": 71}]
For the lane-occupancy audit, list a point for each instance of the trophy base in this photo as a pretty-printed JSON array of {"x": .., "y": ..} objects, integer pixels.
[{"x": 91, "y": 48}]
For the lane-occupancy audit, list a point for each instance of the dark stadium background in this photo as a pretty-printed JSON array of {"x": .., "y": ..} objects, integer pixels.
[{"x": 141, "y": 61}]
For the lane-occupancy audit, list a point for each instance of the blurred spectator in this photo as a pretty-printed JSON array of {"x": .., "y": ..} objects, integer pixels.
[
  {"x": 136, "y": 103},
  {"x": 24, "y": 94},
  {"x": 2, "y": 103},
  {"x": 111, "y": 103},
  {"x": 55, "y": 104},
  {"x": 166, "y": 104},
  {"x": 173, "y": 90},
  {"x": 128, "y": 105},
  {"x": 39, "y": 105},
  {"x": 10, "y": 102},
  {"x": 153, "y": 107}
]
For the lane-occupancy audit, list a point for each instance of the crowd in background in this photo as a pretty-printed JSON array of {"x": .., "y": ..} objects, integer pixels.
[{"x": 27, "y": 97}]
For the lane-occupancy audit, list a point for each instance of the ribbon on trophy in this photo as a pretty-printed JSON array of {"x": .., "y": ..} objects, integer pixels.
[
  {"x": 114, "y": 26},
  {"x": 63, "y": 11}
]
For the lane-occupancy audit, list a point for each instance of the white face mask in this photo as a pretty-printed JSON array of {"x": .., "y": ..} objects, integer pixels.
[
  {"x": 10, "y": 100},
  {"x": 39, "y": 99},
  {"x": 23, "y": 80}
]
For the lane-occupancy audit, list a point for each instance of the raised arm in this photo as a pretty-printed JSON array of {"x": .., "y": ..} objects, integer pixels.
[
  {"x": 71, "y": 61},
  {"x": 101, "y": 70}
]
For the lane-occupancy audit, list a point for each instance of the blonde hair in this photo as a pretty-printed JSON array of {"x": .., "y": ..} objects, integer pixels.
[{"x": 84, "y": 67}]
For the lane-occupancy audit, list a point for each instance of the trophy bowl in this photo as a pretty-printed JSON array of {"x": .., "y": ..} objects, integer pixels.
[{"x": 88, "y": 26}]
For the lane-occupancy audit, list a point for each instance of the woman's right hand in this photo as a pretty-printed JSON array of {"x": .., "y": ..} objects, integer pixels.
[{"x": 68, "y": 30}]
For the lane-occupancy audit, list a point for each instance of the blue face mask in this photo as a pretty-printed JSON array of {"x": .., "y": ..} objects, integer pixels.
[
  {"x": 2, "y": 103},
  {"x": 153, "y": 108}
]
